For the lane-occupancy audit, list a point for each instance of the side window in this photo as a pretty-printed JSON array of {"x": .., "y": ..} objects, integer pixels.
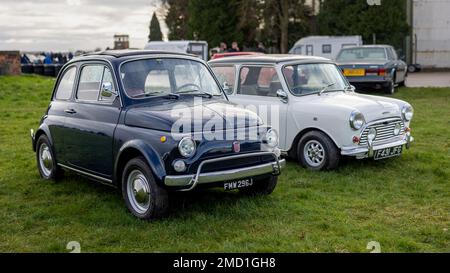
[
  {"x": 90, "y": 81},
  {"x": 309, "y": 50},
  {"x": 158, "y": 82},
  {"x": 326, "y": 49},
  {"x": 108, "y": 79},
  {"x": 226, "y": 74},
  {"x": 65, "y": 87},
  {"x": 259, "y": 81}
]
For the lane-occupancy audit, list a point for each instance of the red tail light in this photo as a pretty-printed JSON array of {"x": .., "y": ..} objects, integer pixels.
[{"x": 376, "y": 72}]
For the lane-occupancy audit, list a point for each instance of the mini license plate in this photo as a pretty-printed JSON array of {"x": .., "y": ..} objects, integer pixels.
[
  {"x": 240, "y": 184},
  {"x": 354, "y": 72},
  {"x": 388, "y": 153}
]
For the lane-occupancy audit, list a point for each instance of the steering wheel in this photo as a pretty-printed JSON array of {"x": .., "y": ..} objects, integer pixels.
[{"x": 188, "y": 85}]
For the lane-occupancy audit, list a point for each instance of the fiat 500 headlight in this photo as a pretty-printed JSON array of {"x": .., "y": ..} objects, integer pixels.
[
  {"x": 408, "y": 113},
  {"x": 187, "y": 147},
  {"x": 271, "y": 138},
  {"x": 357, "y": 120}
]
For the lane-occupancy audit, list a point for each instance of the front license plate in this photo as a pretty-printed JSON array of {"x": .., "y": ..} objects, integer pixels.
[
  {"x": 354, "y": 72},
  {"x": 240, "y": 184},
  {"x": 388, "y": 153}
]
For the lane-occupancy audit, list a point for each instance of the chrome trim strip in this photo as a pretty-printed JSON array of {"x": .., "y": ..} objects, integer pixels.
[
  {"x": 96, "y": 177},
  {"x": 205, "y": 178},
  {"x": 361, "y": 152}
]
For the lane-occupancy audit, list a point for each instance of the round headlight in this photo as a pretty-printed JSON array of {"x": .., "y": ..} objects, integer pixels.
[
  {"x": 372, "y": 134},
  {"x": 357, "y": 120},
  {"x": 408, "y": 113},
  {"x": 272, "y": 138},
  {"x": 187, "y": 147},
  {"x": 397, "y": 129}
]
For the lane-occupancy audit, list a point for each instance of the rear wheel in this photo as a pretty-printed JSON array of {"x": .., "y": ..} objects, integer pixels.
[
  {"x": 390, "y": 88},
  {"x": 317, "y": 152},
  {"x": 143, "y": 197},
  {"x": 262, "y": 187},
  {"x": 45, "y": 158}
]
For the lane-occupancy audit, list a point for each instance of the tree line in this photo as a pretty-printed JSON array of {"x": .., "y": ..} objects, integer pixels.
[{"x": 280, "y": 23}]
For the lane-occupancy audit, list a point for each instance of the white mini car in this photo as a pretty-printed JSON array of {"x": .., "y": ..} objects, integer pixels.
[{"x": 319, "y": 116}]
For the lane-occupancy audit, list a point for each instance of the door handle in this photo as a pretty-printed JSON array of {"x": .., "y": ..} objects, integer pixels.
[{"x": 70, "y": 111}]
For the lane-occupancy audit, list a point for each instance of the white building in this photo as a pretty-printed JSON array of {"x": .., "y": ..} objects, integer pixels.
[{"x": 431, "y": 33}]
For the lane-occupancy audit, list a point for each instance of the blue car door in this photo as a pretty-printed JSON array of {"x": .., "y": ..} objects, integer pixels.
[{"x": 91, "y": 122}]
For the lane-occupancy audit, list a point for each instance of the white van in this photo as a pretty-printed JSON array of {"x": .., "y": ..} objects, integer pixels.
[
  {"x": 199, "y": 48},
  {"x": 324, "y": 46}
]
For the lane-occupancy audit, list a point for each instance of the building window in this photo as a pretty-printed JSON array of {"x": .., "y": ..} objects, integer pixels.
[{"x": 309, "y": 50}]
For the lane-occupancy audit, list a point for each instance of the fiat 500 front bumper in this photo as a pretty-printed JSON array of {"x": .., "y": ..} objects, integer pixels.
[
  {"x": 368, "y": 151},
  {"x": 193, "y": 180}
]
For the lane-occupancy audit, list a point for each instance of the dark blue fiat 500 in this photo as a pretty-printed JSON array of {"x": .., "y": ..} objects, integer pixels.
[{"x": 150, "y": 123}]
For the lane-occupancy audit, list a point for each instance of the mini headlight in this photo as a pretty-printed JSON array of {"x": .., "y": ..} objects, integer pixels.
[
  {"x": 187, "y": 147},
  {"x": 372, "y": 134},
  {"x": 408, "y": 113},
  {"x": 357, "y": 120},
  {"x": 271, "y": 138}
]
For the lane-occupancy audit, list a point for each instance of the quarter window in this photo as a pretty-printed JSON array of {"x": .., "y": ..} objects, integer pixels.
[{"x": 65, "y": 86}]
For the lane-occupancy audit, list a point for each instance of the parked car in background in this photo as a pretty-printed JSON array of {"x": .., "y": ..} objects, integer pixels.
[
  {"x": 233, "y": 54},
  {"x": 373, "y": 66},
  {"x": 319, "y": 117},
  {"x": 324, "y": 46},
  {"x": 111, "y": 119},
  {"x": 197, "y": 48}
]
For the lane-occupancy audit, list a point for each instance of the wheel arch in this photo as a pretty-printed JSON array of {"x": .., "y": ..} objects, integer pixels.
[
  {"x": 133, "y": 149},
  {"x": 293, "y": 150},
  {"x": 43, "y": 130}
]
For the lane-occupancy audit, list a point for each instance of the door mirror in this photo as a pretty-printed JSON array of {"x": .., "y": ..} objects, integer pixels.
[
  {"x": 107, "y": 90},
  {"x": 282, "y": 95},
  {"x": 227, "y": 88}
]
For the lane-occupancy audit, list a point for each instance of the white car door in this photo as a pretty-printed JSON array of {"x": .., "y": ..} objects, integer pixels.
[{"x": 256, "y": 90}]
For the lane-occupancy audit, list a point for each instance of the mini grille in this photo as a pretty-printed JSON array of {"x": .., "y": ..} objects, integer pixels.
[{"x": 385, "y": 131}]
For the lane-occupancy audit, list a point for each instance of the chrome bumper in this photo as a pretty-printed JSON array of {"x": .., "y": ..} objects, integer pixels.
[
  {"x": 367, "y": 152},
  {"x": 192, "y": 181}
]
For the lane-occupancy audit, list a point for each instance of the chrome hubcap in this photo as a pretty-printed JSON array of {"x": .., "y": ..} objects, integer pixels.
[
  {"x": 45, "y": 160},
  {"x": 138, "y": 191},
  {"x": 314, "y": 153}
]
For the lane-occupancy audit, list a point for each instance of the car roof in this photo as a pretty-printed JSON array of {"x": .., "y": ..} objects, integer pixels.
[
  {"x": 369, "y": 46},
  {"x": 269, "y": 59},
  {"x": 117, "y": 54}
]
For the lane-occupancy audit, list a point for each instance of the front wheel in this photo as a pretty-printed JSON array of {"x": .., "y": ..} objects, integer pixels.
[
  {"x": 317, "y": 152},
  {"x": 143, "y": 197},
  {"x": 262, "y": 187}
]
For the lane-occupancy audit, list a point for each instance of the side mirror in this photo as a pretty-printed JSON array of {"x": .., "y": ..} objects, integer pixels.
[
  {"x": 227, "y": 88},
  {"x": 107, "y": 90},
  {"x": 282, "y": 95},
  {"x": 353, "y": 88}
]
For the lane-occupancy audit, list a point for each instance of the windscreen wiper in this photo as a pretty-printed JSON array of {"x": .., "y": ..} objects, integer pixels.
[
  {"x": 197, "y": 93},
  {"x": 326, "y": 88},
  {"x": 170, "y": 96}
]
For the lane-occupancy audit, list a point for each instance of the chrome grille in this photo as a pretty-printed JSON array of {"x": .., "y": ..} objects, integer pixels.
[{"x": 385, "y": 131}]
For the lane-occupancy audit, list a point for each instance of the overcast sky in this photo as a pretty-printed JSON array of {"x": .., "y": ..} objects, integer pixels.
[{"x": 61, "y": 25}]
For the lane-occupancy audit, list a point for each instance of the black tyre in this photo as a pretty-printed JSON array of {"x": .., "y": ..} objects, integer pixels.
[
  {"x": 390, "y": 88},
  {"x": 317, "y": 152},
  {"x": 262, "y": 187},
  {"x": 143, "y": 197},
  {"x": 46, "y": 162}
]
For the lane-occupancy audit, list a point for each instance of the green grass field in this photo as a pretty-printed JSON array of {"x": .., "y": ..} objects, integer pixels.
[{"x": 403, "y": 203}]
